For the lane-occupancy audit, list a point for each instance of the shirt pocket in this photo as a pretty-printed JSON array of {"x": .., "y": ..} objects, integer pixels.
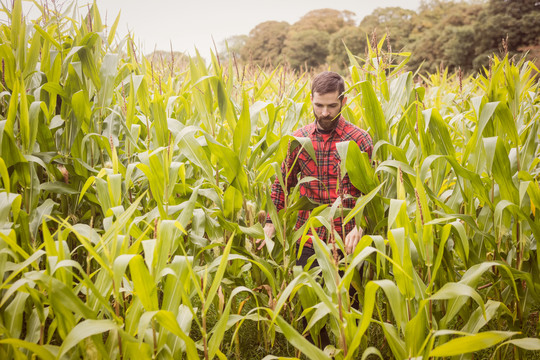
[
  {"x": 308, "y": 168},
  {"x": 335, "y": 164},
  {"x": 307, "y": 165}
]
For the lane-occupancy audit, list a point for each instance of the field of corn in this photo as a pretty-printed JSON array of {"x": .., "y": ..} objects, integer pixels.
[{"x": 132, "y": 194}]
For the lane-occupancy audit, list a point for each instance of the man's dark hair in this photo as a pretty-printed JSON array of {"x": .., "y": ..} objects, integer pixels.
[{"x": 328, "y": 82}]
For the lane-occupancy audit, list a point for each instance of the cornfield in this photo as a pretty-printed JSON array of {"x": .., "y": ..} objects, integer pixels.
[{"x": 132, "y": 194}]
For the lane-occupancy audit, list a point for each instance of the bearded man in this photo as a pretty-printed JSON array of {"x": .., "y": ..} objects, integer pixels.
[{"x": 328, "y": 129}]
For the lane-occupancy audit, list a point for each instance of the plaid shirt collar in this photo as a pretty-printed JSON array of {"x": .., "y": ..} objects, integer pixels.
[{"x": 338, "y": 129}]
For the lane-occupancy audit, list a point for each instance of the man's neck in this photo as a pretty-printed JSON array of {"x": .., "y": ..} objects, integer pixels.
[{"x": 323, "y": 131}]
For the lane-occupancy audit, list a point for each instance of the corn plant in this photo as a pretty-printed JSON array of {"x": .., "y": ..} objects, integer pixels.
[{"x": 133, "y": 190}]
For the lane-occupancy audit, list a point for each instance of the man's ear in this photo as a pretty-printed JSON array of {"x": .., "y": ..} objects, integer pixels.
[{"x": 344, "y": 101}]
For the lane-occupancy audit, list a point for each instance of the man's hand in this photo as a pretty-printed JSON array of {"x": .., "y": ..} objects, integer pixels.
[
  {"x": 269, "y": 231},
  {"x": 352, "y": 239}
]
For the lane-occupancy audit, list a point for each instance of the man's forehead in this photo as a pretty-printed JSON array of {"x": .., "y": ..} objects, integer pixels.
[{"x": 327, "y": 97}]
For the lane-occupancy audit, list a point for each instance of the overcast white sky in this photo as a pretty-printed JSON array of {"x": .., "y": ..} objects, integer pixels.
[{"x": 189, "y": 24}]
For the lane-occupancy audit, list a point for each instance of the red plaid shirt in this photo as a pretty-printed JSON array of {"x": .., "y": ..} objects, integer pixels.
[{"x": 326, "y": 170}]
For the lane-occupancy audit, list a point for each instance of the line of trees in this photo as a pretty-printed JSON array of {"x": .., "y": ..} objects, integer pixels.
[{"x": 448, "y": 33}]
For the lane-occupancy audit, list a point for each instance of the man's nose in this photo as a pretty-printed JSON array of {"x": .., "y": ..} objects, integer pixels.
[{"x": 325, "y": 112}]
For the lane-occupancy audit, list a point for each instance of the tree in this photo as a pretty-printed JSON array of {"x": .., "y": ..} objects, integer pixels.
[
  {"x": 351, "y": 36},
  {"x": 307, "y": 48},
  {"x": 517, "y": 19},
  {"x": 232, "y": 45},
  {"x": 308, "y": 39},
  {"x": 443, "y": 34},
  {"x": 327, "y": 20},
  {"x": 458, "y": 49},
  {"x": 395, "y": 21},
  {"x": 265, "y": 43}
]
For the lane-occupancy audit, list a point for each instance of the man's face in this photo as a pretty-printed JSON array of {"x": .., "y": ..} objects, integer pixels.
[{"x": 326, "y": 108}]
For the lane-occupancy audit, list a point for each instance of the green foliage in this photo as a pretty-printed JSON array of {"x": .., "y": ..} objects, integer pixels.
[
  {"x": 307, "y": 49},
  {"x": 265, "y": 43},
  {"x": 441, "y": 34},
  {"x": 132, "y": 193}
]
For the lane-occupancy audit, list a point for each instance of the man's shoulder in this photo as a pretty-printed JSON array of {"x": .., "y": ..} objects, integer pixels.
[{"x": 354, "y": 132}]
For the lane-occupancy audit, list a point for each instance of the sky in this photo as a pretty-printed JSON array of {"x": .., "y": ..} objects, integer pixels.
[{"x": 157, "y": 24}]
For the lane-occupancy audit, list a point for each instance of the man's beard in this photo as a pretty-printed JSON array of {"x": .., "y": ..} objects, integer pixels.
[{"x": 328, "y": 122}]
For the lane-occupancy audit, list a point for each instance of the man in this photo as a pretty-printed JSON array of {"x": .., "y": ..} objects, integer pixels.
[{"x": 328, "y": 129}]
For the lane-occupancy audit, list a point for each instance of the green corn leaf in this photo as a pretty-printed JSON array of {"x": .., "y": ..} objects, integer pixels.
[
  {"x": 441, "y": 134},
  {"x": 456, "y": 291},
  {"x": 223, "y": 101},
  {"x": 119, "y": 269},
  {"x": 396, "y": 344},
  {"x": 17, "y": 27},
  {"x": 10, "y": 204},
  {"x": 503, "y": 174},
  {"x": 371, "y": 351},
  {"x": 326, "y": 263},
  {"x": 58, "y": 187},
  {"x": 65, "y": 300},
  {"x": 300, "y": 342},
  {"x": 193, "y": 151},
  {"x": 400, "y": 93},
  {"x": 471, "y": 148},
  {"x": 38, "y": 350},
  {"x": 20, "y": 267},
  {"x": 112, "y": 31},
  {"x": 442, "y": 243},
  {"x": 12, "y": 109},
  {"x": 89, "y": 62},
  {"x": 13, "y": 314},
  {"x": 373, "y": 112},
  {"x": 359, "y": 168},
  {"x": 416, "y": 331},
  {"x": 5, "y": 176},
  {"x": 218, "y": 276},
  {"x": 167, "y": 241},
  {"x": 143, "y": 283},
  {"x": 33, "y": 55},
  {"x": 24, "y": 120},
  {"x": 232, "y": 202},
  {"x": 175, "y": 282},
  {"x": 369, "y": 303},
  {"x": 167, "y": 320},
  {"x": 89, "y": 182},
  {"x": 242, "y": 132},
  {"x": 503, "y": 113},
  {"x": 84, "y": 330},
  {"x": 531, "y": 344},
  {"x": 362, "y": 202},
  {"x": 47, "y": 36},
  {"x": 477, "y": 320},
  {"x": 401, "y": 254},
  {"x": 471, "y": 343},
  {"x": 159, "y": 121},
  {"x": 424, "y": 229},
  {"x": 227, "y": 159},
  {"x": 218, "y": 331}
]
